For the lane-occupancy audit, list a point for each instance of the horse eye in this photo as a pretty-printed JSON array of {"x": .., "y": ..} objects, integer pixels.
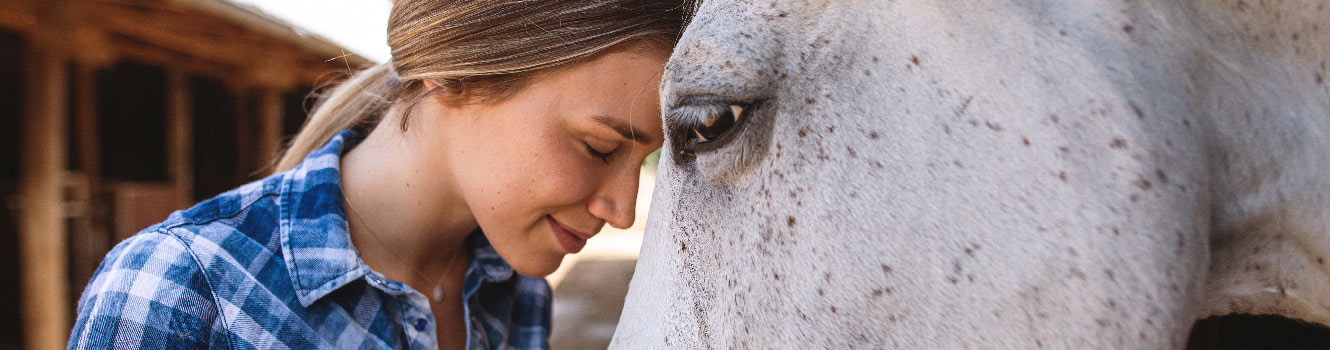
[{"x": 713, "y": 125}]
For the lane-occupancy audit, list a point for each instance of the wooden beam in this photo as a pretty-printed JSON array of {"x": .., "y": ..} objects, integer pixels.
[
  {"x": 180, "y": 136},
  {"x": 43, "y": 257},
  {"x": 143, "y": 53},
  {"x": 195, "y": 37},
  {"x": 15, "y": 17},
  {"x": 220, "y": 50},
  {"x": 276, "y": 73},
  {"x": 271, "y": 27},
  {"x": 94, "y": 50},
  {"x": 208, "y": 39}
]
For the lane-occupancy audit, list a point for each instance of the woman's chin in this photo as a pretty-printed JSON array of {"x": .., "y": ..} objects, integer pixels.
[{"x": 536, "y": 267}]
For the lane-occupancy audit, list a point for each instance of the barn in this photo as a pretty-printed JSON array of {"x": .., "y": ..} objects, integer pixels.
[{"x": 114, "y": 113}]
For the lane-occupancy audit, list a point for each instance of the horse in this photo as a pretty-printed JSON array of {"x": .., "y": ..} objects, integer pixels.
[{"x": 997, "y": 174}]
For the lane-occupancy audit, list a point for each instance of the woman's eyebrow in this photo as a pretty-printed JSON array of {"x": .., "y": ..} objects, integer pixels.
[{"x": 622, "y": 128}]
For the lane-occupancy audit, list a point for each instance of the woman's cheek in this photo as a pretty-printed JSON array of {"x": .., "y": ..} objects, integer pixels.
[{"x": 573, "y": 178}]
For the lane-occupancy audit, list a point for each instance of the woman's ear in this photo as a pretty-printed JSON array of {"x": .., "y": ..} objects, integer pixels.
[
  {"x": 447, "y": 94},
  {"x": 442, "y": 99}
]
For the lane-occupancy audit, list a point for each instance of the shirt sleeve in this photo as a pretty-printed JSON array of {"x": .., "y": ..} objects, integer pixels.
[{"x": 148, "y": 293}]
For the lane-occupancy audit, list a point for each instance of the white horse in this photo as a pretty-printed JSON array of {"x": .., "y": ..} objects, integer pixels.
[{"x": 986, "y": 174}]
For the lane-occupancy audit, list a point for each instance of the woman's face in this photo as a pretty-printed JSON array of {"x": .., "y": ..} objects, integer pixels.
[{"x": 545, "y": 169}]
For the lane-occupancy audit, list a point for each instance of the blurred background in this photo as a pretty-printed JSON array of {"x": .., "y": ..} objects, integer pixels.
[{"x": 113, "y": 113}]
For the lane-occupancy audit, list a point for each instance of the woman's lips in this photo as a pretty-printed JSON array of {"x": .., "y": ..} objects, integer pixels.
[{"x": 570, "y": 240}]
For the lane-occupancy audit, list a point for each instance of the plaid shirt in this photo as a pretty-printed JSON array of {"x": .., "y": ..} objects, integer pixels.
[{"x": 270, "y": 265}]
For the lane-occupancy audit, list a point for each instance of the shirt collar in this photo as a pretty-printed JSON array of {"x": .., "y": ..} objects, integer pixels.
[
  {"x": 485, "y": 262},
  {"x": 315, "y": 236}
]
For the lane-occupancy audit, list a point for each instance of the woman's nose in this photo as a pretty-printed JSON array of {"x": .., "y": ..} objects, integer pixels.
[{"x": 616, "y": 202}]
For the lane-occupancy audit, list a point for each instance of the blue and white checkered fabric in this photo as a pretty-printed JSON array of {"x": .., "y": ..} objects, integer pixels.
[{"x": 270, "y": 265}]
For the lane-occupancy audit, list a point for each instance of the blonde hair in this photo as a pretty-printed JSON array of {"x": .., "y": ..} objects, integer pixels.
[{"x": 480, "y": 51}]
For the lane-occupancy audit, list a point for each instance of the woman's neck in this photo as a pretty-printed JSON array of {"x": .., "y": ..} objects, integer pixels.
[{"x": 408, "y": 233}]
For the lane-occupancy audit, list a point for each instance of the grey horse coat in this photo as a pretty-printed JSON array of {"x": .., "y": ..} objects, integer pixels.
[{"x": 992, "y": 174}]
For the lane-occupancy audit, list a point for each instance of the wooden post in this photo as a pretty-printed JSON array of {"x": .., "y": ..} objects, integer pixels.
[
  {"x": 43, "y": 257},
  {"x": 278, "y": 73},
  {"x": 90, "y": 241},
  {"x": 270, "y": 127},
  {"x": 180, "y": 136}
]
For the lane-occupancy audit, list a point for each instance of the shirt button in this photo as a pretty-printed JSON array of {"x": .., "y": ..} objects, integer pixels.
[{"x": 421, "y": 324}]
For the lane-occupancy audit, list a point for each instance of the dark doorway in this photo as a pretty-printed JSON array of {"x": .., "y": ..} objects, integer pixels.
[
  {"x": 131, "y": 107},
  {"x": 12, "y": 93},
  {"x": 295, "y": 107},
  {"x": 215, "y": 133}
]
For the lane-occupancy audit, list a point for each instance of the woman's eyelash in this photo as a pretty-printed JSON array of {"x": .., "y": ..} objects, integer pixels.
[{"x": 603, "y": 156}]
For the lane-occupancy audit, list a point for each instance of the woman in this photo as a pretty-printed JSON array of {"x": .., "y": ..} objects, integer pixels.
[{"x": 423, "y": 201}]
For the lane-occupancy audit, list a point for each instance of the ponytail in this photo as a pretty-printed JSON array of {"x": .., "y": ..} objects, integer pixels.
[{"x": 357, "y": 102}]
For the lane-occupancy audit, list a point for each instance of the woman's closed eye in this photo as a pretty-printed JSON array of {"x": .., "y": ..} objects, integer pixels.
[{"x": 602, "y": 156}]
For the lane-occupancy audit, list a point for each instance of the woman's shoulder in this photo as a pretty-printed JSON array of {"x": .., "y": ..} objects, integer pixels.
[
  {"x": 144, "y": 264},
  {"x": 183, "y": 249},
  {"x": 236, "y": 203},
  {"x": 161, "y": 285},
  {"x": 244, "y": 216},
  {"x": 150, "y": 289}
]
